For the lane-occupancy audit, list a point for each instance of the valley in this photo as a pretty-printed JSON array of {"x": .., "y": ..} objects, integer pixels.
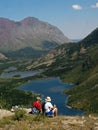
[{"x": 74, "y": 63}]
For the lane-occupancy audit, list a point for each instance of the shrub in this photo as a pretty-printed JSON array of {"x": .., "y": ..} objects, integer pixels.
[{"x": 19, "y": 114}]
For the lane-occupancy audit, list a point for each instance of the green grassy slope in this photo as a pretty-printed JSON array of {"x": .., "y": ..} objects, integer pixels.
[
  {"x": 78, "y": 64},
  {"x": 11, "y": 96}
]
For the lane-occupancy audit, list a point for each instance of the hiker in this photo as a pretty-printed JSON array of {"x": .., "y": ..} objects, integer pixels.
[
  {"x": 36, "y": 106},
  {"x": 50, "y": 110}
]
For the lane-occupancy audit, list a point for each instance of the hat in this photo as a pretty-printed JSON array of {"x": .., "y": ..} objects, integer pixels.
[
  {"x": 38, "y": 98},
  {"x": 48, "y": 99}
]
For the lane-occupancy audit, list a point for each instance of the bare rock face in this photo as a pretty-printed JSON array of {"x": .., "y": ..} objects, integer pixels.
[
  {"x": 2, "y": 56},
  {"x": 29, "y": 32}
]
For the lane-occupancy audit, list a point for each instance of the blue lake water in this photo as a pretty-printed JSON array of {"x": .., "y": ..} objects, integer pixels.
[{"x": 54, "y": 88}]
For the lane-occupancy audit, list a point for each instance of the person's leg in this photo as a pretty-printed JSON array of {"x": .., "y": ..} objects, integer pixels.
[{"x": 55, "y": 111}]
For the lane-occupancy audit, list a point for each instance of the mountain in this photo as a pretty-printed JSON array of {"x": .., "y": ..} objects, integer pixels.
[
  {"x": 92, "y": 38},
  {"x": 29, "y": 32},
  {"x": 76, "y": 64},
  {"x": 71, "y": 52}
]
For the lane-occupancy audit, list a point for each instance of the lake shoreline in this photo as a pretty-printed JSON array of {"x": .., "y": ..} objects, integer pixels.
[{"x": 51, "y": 86}]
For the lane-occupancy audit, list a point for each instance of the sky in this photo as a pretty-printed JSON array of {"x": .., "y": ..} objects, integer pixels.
[{"x": 75, "y": 18}]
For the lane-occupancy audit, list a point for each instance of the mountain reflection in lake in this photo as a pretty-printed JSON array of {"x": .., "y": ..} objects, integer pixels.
[{"x": 54, "y": 88}]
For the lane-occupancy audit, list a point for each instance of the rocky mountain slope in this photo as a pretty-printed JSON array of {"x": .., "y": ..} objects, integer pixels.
[
  {"x": 40, "y": 122},
  {"x": 77, "y": 64},
  {"x": 69, "y": 51},
  {"x": 29, "y": 32},
  {"x": 92, "y": 38}
]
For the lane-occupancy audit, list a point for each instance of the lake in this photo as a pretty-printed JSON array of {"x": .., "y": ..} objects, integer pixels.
[
  {"x": 54, "y": 88},
  {"x": 12, "y": 72}
]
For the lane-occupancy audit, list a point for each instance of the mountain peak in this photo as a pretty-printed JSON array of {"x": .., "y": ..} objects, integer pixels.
[{"x": 29, "y": 20}]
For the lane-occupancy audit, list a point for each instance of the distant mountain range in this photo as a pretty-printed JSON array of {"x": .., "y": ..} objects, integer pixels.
[{"x": 29, "y": 32}]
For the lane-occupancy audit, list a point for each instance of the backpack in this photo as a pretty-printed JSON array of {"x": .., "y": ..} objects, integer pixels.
[
  {"x": 43, "y": 107},
  {"x": 35, "y": 111}
]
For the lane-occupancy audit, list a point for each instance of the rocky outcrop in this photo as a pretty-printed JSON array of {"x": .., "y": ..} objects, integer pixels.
[
  {"x": 5, "y": 113},
  {"x": 2, "y": 56}
]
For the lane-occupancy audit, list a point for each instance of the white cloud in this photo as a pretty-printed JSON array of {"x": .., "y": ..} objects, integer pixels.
[
  {"x": 76, "y": 7},
  {"x": 95, "y": 6}
]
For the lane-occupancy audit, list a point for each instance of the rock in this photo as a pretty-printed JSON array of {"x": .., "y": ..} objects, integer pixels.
[{"x": 4, "y": 113}]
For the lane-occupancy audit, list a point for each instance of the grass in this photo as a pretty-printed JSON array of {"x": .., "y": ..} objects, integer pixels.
[{"x": 40, "y": 122}]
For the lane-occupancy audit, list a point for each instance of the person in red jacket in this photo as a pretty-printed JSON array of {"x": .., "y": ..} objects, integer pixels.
[{"x": 36, "y": 106}]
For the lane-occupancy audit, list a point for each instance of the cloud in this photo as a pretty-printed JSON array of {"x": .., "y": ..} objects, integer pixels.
[
  {"x": 76, "y": 7},
  {"x": 95, "y": 6}
]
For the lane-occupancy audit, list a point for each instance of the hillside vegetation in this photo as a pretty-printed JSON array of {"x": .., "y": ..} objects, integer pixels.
[
  {"x": 76, "y": 63},
  {"x": 23, "y": 121},
  {"x": 10, "y": 96}
]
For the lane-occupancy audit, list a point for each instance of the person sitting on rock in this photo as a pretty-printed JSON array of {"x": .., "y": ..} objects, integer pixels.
[
  {"x": 36, "y": 106},
  {"x": 50, "y": 110}
]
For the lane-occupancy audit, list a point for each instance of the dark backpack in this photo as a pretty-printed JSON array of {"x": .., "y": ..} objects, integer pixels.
[{"x": 43, "y": 107}]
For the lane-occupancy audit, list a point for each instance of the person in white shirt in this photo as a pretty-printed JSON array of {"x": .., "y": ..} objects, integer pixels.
[{"x": 50, "y": 110}]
